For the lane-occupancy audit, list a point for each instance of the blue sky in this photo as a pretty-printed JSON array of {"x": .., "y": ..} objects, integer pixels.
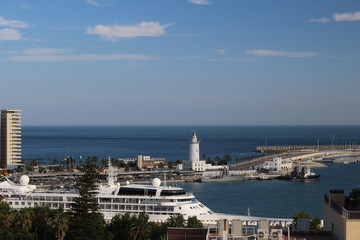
[{"x": 181, "y": 62}]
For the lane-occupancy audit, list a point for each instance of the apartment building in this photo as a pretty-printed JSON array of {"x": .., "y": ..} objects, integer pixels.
[
  {"x": 342, "y": 214},
  {"x": 10, "y": 138}
]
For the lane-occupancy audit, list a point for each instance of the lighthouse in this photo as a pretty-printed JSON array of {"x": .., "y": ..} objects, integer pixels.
[{"x": 194, "y": 153}]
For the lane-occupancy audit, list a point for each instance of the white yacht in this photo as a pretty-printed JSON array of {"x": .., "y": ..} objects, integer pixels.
[{"x": 159, "y": 202}]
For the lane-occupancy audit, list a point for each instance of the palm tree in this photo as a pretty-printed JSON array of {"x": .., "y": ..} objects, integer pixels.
[
  {"x": 60, "y": 223},
  {"x": 193, "y": 222},
  {"x": 23, "y": 219},
  {"x": 7, "y": 216},
  {"x": 176, "y": 220},
  {"x": 140, "y": 227}
]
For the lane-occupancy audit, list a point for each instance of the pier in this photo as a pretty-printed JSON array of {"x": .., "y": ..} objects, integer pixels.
[{"x": 307, "y": 147}]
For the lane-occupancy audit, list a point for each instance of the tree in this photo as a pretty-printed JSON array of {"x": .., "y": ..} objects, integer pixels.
[
  {"x": 171, "y": 165},
  {"x": 158, "y": 231},
  {"x": 300, "y": 215},
  {"x": 140, "y": 228},
  {"x": 193, "y": 222},
  {"x": 176, "y": 220},
  {"x": 33, "y": 162},
  {"x": 59, "y": 222},
  {"x": 19, "y": 169},
  {"x": 227, "y": 158},
  {"x": 315, "y": 224},
  {"x": 86, "y": 221},
  {"x": 40, "y": 218},
  {"x": 354, "y": 198},
  {"x": 120, "y": 226}
]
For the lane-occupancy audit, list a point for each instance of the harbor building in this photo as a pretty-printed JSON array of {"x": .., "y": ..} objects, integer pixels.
[
  {"x": 10, "y": 140},
  {"x": 278, "y": 164},
  {"x": 144, "y": 161},
  {"x": 342, "y": 214}
]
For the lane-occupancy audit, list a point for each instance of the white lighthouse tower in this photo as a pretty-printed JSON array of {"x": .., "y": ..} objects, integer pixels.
[
  {"x": 194, "y": 163},
  {"x": 194, "y": 153}
]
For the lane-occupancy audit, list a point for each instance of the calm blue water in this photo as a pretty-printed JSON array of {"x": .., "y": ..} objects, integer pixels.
[{"x": 267, "y": 198}]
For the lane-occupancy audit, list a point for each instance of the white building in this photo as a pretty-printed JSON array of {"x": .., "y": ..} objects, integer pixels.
[
  {"x": 194, "y": 163},
  {"x": 278, "y": 164}
]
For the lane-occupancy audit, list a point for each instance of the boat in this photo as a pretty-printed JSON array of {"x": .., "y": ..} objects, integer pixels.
[
  {"x": 263, "y": 177},
  {"x": 300, "y": 174},
  {"x": 158, "y": 201},
  {"x": 224, "y": 176}
]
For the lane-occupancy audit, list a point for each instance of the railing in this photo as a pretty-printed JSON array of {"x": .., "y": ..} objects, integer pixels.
[{"x": 341, "y": 210}]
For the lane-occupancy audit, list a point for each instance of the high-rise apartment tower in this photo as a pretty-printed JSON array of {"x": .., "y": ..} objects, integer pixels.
[{"x": 10, "y": 141}]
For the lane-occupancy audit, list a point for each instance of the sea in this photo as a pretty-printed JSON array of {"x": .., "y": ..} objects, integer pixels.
[{"x": 261, "y": 198}]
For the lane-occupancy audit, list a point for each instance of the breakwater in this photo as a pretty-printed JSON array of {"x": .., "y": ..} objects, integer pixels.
[{"x": 306, "y": 147}]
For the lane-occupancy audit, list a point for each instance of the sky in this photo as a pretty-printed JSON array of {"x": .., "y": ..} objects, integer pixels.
[{"x": 181, "y": 62}]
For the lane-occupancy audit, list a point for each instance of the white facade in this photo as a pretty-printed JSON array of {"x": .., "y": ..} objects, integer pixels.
[
  {"x": 194, "y": 150},
  {"x": 194, "y": 163},
  {"x": 278, "y": 164}
]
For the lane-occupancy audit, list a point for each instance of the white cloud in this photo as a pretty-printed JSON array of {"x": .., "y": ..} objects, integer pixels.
[
  {"x": 45, "y": 51},
  {"x": 338, "y": 17},
  {"x": 143, "y": 29},
  {"x": 13, "y": 23},
  {"x": 95, "y": 3},
  {"x": 91, "y": 2},
  {"x": 25, "y": 7},
  {"x": 264, "y": 52},
  {"x": 219, "y": 51},
  {"x": 8, "y": 34},
  {"x": 200, "y": 2},
  {"x": 58, "y": 55},
  {"x": 320, "y": 20}
]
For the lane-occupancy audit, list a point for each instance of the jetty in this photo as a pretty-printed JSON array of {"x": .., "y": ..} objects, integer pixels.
[{"x": 307, "y": 147}]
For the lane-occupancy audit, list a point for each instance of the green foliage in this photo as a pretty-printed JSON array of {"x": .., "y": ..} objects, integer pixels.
[
  {"x": 171, "y": 165},
  {"x": 120, "y": 226},
  {"x": 315, "y": 224},
  {"x": 176, "y": 220},
  {"x": 158, "y": 231},
  {"x": 59, "y": 222},
  {"x": 86, "y": 222},
  {"x": 140, "y": 228},
  {"x": 19, "y": 169},
  {"x": 136, "y": 227},
  {"x": 92, "y": 227},
  {"x": 355, "y": 193},
  {"x": 40, "y": 216},
  {"x": 28, "y": 223},
  {"x": 193, "y": 222},
  {"x": 87, "y": 188}
]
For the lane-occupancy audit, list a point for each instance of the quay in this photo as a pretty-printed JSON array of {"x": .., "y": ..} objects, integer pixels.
[{"x": 306, "y": 147}]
